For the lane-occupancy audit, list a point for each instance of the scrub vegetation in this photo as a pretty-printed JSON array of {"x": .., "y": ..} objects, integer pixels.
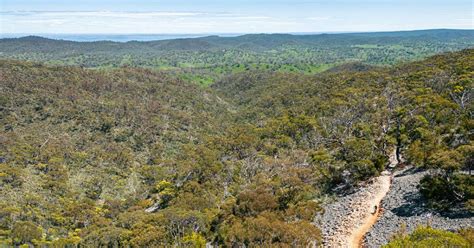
[{"x": 107, "y": 144}]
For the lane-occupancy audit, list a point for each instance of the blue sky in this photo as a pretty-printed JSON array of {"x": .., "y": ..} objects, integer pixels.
[{"x": 237, "y": 16}]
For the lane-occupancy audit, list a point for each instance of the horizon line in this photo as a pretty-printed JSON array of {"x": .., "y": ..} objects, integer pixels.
[{"x": 243, "y": 33}]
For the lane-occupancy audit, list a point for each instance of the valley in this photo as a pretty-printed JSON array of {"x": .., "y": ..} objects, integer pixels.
[{"x": 249, "y": 141}]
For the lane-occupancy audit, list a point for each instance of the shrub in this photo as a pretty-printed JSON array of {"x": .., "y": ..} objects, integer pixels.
[
  {"x": 429, "y": 237},
  {"x": 442, "y": 192},
  {"x": 25, "y": 232}
]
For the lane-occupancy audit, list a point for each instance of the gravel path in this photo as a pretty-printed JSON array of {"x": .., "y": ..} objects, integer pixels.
[
  {"x": 403, "y": 206},
  {"x": 345, "y": 221}
]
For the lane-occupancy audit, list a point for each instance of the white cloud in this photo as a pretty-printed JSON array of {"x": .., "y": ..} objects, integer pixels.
[
  {"x": 319, "y": 18},
  {"x": 75, "y": 22},
  {"x": 132, "y": 22},
  {"x": 48, "y": 21},
  {"x": 119, "y": 14}
]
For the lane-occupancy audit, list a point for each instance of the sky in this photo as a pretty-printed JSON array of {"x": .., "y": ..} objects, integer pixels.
[{"x": 236, "y": 16}]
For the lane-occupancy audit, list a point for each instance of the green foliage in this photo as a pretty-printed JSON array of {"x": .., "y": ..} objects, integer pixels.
[
  {"x": 134, "y": 157},
  {"x": 449, "y": 188},
  {"x": 206, "y": 60},
  {"x": 25, "y": 232},
  {"x": 429, "y": 237},
  {"x": 269, "y": 229},
  {"x": 195, "y": 240},
  {"x": 444, "y": 192},
  {"x": 10, "y": 175}
]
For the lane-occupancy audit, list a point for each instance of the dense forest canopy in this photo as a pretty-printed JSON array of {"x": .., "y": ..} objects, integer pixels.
[{"x": 130, "y": 153}]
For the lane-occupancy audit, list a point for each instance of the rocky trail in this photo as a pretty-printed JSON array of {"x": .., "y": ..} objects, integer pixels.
[
  {"x": 345, "y": 222},
  {"x": 351, "y": 221},
  {"x": 404, "y": 207},
  {"x": 381, "y": 189}
]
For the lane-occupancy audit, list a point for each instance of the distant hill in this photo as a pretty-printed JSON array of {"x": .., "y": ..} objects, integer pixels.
[
  {"x": 133, "y": 157},
  {"x": 205, "y": 60},
  {"x": 257, "y": 41}
]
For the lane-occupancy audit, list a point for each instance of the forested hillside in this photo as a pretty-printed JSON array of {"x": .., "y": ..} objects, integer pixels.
[
  {"x": 135, "y": 157},
  {"x": 424, "y": 109},
  {"x": 205, "y": 60}
]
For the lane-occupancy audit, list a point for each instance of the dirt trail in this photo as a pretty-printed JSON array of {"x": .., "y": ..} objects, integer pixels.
[
  {"x": 381, "y": 189},
  {"x": 370, "y": 218},
  {"x": 346, "y": 221}
]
